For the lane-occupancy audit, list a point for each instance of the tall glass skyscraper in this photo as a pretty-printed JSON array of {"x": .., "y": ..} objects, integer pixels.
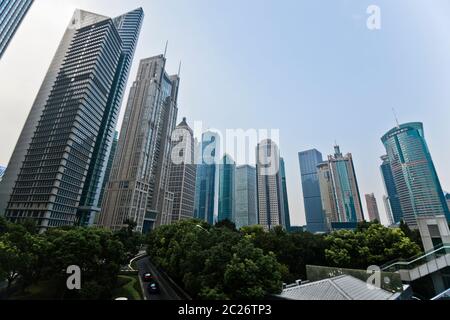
[
  {"x": 315, "y": 215},
  {"x": 182, "y": 175},
  {"x": 344, "y": 186},
  {"x": 138, "y": 188},
  {"x": 419, "y": 190},
  {"x": 68, "y": 134},
  {"x": 12, "y": 13},
  {"x": 287, "y": 216},
  {"x": 207, "y": 182},
  {"x": 128, "y": 27},
  {"x": 269, "y": 185},
  {"x": 227, "y": 178},
  {"x": 246, "y": 207},
  {"x": 372, "y": 207},
  {"x": 391, "y": 190}
]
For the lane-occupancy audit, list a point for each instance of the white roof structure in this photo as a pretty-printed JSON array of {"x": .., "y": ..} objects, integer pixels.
[{"x": 343, "y": 287}]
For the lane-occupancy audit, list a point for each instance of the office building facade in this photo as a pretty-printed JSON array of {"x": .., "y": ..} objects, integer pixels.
[
  {"x": 246, "y": 199},
  {"x": 387, "y": 207},
  {"x": 12, "y": 13},
  {"x": 269, "y": 186},
  {"x": 345, "y": 187},
  {"x": 206, "y": 206},
  {"x": 315, "y": 213},
  {"x": 372, "y": 208},
  {"x": 418, "y": 186},
  {"x": 391, "y": 189},
  {"x": 68, "y": 124},
  {"x": 2, "y": 171},
  {"x": 227, "y": 197},
  {"x": 287, "y": 215},
  {"x": 327, "y": 195},
  {"x": 138, "y": 186},
  {"x": 128, "y": 27},
  {"x": 182, "y": 175}
]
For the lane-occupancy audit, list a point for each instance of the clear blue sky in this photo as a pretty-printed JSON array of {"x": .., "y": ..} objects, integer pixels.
[{"x": 310, "y": 68}]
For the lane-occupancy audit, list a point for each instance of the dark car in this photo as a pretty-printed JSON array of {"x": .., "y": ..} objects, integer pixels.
[
  {"x": 147, "y": 277},
  {"x": 153, "y": 288}
]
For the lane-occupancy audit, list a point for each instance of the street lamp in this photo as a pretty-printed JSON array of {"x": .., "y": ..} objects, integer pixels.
[{"x": 200, "y": 227}]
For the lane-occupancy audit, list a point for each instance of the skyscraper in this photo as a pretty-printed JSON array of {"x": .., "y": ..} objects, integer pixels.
[
  {"x": 2, "y": 171},
  {"x": 372, "y": 207},
  {"x": 387, "y": 207},
  {"x": 246, "y": 206},
  {"x": 391, "y": 189},
  {"x": 128, "y": 27},
  {"x": 287, "y": 216},
  {"x": 68, "y": 134},
  {"x": 138, "y": 186},
  {"x": 345, "y": 187},
  {"x": 91, "y": 219},
  {"x": 12, "y": 13},
  {"x": 327, "y": 195},
  {"x": 269, "y": 185},
  {"x": 227, "y": 176},
  {"x": 415, "y": 176},
  {"x": 207, "y": 182},
  {"x": 315, "y": 214},
  {"x": 447, "y": 198},
  {"x": 182, "y": 174}
]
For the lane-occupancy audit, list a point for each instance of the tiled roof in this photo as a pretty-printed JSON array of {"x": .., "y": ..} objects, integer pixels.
[{"x": 343, "y": 287}]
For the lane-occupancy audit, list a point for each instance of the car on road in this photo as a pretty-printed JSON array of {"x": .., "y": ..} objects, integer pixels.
[
  {"x": 147, "y": 277},
  {"x": 153, "y": 288}
]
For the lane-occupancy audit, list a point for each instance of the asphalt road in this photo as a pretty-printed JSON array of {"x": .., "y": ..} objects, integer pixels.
[{"x": 167, "y": 291}]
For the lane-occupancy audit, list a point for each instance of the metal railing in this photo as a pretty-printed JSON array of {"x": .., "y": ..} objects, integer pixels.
[{"x": 419, "y": 260}]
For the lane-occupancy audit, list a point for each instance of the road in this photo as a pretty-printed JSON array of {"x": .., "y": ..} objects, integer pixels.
[{"x": 167, "y": 291}]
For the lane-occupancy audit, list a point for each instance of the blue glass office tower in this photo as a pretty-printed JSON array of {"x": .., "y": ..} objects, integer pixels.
[
  {"x": 246, "y": 204},
  {"x": 207, "y": 180},
  {"x": 391, "y": 189},
  {"x": 315, "y": 215},
  {"x": 417, "y": 182},
  {"x": 287, "y": 217},
  {"x": 12, "y": 13},
  {"x": 227, "y": 178},
  {"x": 70, "y": 128},
  {"x": 345, "y": 187}
]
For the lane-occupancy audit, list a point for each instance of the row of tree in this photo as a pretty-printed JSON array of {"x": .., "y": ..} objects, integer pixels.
[
  {"x": 28, "y": 258},
  {"x": 220, "y": 262}
]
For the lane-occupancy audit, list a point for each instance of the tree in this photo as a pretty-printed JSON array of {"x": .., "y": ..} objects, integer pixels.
[
  {"x": 96, "y": 251},
  {"x": 208, "y": 261},
  {"x": 251, "y": 274},
  {"x": 226, "y": 224},
  {"x": 21, "y": 254},
  {"x": 130, "y": 239},
  {"x": 376, "y": 245},
  {"x": 293, "y": 250},
  {"x": 414, "y": 235}
]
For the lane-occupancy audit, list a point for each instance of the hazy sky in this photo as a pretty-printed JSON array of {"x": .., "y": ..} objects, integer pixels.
[{"x": 309, "y": 68}]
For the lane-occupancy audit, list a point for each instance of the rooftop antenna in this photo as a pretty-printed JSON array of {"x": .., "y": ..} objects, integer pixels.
[
  {"x": 165, "y": 50},
  {"x": 179, "y": 69},
  {"x": 395, "y": 116}
]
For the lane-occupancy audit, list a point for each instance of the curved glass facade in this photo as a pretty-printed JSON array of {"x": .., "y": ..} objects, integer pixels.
[{"x": 415, "y": 176}]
